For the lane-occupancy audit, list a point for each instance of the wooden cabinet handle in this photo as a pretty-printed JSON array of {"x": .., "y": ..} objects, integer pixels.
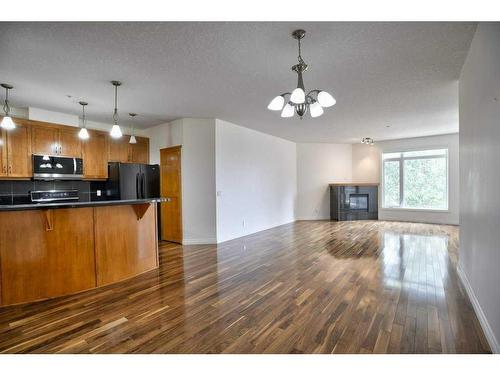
[
  {"x": 10, "y": 169},
  {"x": 5, "y": 169}
]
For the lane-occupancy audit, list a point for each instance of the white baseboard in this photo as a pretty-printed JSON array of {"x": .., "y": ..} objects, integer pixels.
[
  {"x": 488, "y": 332},
  {"x": 199, "y": 241}
]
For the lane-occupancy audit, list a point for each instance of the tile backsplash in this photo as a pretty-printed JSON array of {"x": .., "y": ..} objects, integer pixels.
[{"x": 18, "y": 192}]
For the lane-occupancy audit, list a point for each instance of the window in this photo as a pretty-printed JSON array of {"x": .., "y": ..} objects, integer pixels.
[{"x": 415, "y": 179}]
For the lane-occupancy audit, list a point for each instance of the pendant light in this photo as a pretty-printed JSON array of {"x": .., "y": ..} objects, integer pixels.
[
  {"x": 298, "y": 101},
  {"x": 7, "y": 122},
  {"x": 83, "y": 134},
  {"x": 132, "y": 137},
  {"x": 116, "y": 132}
]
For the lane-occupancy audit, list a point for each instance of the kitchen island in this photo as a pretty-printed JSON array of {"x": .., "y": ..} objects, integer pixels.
[{"x": 55, "y": 249}]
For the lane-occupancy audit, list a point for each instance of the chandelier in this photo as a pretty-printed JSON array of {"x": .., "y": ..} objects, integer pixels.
[{"x": 298, "y": 101}]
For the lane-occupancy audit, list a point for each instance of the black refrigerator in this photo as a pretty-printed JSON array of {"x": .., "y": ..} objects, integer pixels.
[{"x": 133, "y": 181}]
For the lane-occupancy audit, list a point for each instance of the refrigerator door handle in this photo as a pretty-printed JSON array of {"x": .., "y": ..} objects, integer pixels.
[
  {"x": 143, "y": 186},
  {"x": 137, "y": 185}
]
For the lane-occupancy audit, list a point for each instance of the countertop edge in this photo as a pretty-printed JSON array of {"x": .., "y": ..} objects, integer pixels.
[{"x": 56, "y": 205}]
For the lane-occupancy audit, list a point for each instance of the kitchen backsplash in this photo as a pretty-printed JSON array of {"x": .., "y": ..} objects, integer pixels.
[{"x": 18, "y": 192}]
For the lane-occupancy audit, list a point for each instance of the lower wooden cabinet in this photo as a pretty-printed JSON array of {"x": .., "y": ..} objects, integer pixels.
[
  {"x": 46, "y": 253},
  {"x": 125, "y": 241},
  {"x": 56, "y": 252}
]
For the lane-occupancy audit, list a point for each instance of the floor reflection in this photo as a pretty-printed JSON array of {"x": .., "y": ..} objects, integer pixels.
[{"x": 416, "y": 262}]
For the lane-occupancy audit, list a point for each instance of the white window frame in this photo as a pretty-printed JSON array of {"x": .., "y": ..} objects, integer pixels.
[{"x": 401, "y": 177}]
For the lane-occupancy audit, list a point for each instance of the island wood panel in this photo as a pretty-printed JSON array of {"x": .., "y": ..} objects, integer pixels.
[
  {"x": 125, "y": 243},
  {"x": 19, "y": 150},
  {"x": 95, "y": 159},
  {"x": 46, "y": 253}
]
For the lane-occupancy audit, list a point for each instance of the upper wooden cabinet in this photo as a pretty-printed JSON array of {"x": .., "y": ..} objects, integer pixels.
[
  {"x": 42, "y": 138},
  {"x": 69, "y": 142},
  {"x": 121, "y": 150},
  {"x": 118, "y": 149},
  {"x": 56, "y": 140},
  {"x": 15, "y": 151},
  {"x": 3, "y": 153},
  {"x": 95, "y": 160},
  {"x": 139, "y": 152}
]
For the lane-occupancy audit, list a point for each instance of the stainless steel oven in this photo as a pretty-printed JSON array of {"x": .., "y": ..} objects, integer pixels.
[{"x": 46, "y": 167}]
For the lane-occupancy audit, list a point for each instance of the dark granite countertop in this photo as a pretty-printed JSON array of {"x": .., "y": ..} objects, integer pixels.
[{"x": 35, "y": 206}]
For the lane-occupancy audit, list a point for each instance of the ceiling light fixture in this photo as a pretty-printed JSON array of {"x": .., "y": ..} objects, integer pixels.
[
  {"x": 367, "y": 141},
  {"x": 83, "y": 133},
  {"x": 116, "y": 132},
  {"x": 7, "y": 122},
  {"x": 132, "y": 137},
  {"x": 298, "y": 101}
]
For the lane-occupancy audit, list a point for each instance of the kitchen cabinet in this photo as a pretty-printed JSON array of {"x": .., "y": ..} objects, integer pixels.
[
  {"x": 56, "y": 140},
  {"x": 118, "y": 149},
  {"x": 18, "y": 142},
  {"x": 95, "y": 159},
  {"x": 46, "y": 254},
  {"x": 69, "y": 142},
  {"x": 139, "y": 152},
  {"x": 3, "y": 153},
  {"x": 44, "y": 140}
]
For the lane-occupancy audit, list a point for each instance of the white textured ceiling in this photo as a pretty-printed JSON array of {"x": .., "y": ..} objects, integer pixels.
[{"x": 400, "y": 74}]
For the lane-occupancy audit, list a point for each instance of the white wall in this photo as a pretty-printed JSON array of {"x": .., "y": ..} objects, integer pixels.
[
  {"x": 197, "y": 137},
  {"x": 163, "y": 136},
  {"x": 451, "y": 216},
  {"x": 365, "y": 163},
  {"x": 319, "y": 164},
  {"x": 256, "y": 181},
  {"x": 480, "y": 177},
  {"x": 198, "y": 181}
]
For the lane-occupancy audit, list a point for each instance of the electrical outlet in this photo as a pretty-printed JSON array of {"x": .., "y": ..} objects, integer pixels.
[{"x": 99, "y": 193}]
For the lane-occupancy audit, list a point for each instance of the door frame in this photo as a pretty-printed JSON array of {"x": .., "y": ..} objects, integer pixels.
[{"x": 178, "y": 147}]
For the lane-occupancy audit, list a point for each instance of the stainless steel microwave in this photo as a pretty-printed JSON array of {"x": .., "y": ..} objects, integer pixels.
[{"x": 46, "y": 167}]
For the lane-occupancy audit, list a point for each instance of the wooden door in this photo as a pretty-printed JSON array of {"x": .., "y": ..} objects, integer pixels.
[
  {"x": 171, "y": 188},
  {"x": 118, "y": 149},
  {"x": 47, "y": 254},
  {"x": 95, "y": 160},
  {"x": 69, "y": 142},
  {"x": 44, "y": 140},
  {"x": 19, "y": 150},
  {"x": 3, "y": 153},
  {"x": 139, "y": 152}
]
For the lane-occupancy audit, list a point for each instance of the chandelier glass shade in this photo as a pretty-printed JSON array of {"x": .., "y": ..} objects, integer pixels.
[{"x": 298, "y": 101}]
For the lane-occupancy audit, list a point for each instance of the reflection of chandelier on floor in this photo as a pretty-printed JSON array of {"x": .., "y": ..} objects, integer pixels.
[{"x": 298, "y": 101}]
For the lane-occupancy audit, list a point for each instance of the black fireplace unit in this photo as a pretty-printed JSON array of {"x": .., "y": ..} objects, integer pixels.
[{"x": 353, "y": 202}]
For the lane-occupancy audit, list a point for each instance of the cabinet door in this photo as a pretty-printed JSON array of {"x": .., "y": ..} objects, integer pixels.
[
  {"x": 3, "y": 153},
  {"x": 52, "y": 257},
  {"x": 19, "y": 151},
  {"x": 69, "y": 143},
  {"x": 95, "y": 161},
  {"x": 139, "y": 152},
  {"x": 44, "y": 140},
  {"x": 118, "y": 149}
]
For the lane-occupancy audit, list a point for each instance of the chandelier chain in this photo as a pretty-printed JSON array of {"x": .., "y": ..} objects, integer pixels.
[
  {"x": 115, "y": 113},
  {"x": 6, "y": 107}
]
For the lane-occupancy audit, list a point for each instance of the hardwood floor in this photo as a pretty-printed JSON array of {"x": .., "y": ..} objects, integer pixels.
[{"x": 306, "y": 287}]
